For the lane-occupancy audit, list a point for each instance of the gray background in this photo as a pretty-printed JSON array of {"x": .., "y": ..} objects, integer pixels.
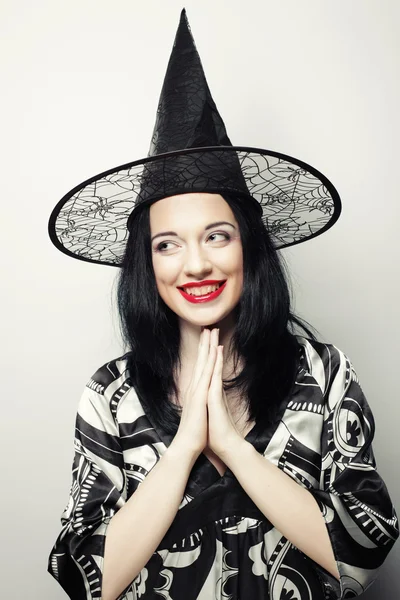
[{"x": 80, "y": 84}]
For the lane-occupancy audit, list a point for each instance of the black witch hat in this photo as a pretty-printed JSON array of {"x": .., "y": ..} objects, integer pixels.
[{"x": 190, "y": 152}]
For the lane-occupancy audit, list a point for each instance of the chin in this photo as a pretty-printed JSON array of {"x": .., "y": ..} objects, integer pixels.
[{"x": 210, "y": 322}]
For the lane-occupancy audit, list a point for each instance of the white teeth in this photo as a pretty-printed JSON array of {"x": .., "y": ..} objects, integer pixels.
[{"x": 201, "y": 291}]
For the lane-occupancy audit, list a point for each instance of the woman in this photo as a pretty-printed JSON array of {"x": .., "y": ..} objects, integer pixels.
[{"x": 246, "y": 473}]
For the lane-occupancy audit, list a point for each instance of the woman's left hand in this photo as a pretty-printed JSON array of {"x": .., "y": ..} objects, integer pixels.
[{"x": 222, "y": 432}]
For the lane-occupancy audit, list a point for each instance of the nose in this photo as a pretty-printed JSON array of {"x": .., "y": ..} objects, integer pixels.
[{"x": 197, "y": 263}]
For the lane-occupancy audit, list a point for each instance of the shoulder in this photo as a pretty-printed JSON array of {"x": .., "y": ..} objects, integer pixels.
[
  {"x": 108, "y": 374},
  {"x": 105, "y": 391},
  {"x": 331, "y": 368}
]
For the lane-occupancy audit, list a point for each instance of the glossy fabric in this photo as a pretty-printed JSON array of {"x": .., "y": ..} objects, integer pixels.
[{"x": 220, "y": 545}]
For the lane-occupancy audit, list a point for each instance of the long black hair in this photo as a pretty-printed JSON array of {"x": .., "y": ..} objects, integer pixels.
[{"x": 264, "y": 335}]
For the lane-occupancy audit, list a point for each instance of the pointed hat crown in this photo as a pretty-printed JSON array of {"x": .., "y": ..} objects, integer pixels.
[
  {"x": 187, "y": 116},
  {"x": 190, "y": 152},
  {"x": 187, "y": 119}
]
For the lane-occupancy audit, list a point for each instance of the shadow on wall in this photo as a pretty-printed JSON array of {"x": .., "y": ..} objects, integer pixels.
[{"x": 387, "y": 586}]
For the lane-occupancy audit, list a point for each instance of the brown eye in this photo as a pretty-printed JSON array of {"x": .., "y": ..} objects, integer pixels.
[
  {"x": 158, "y": 248},
  {"x": 226, "y": 235},
  {"x": 161, "y": 246}
]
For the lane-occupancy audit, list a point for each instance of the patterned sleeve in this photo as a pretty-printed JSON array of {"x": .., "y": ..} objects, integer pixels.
[
  {"x": 97, "y": 492},
  {"x": 355, "y": 503}
]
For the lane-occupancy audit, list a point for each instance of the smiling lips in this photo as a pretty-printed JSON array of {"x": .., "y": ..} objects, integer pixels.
[{"x": 210, "y": 294}]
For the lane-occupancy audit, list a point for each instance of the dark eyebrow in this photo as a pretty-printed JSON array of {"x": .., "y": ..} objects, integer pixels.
[{"x": 210, "y": 226}]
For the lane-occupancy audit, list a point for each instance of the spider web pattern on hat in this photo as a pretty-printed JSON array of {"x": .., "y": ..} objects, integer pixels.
[
  {"x": 296, "y": 204},
  {"x": 190, "y": 151}
]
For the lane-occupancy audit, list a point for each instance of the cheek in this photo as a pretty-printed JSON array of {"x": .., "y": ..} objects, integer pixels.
[
  {"x": 238, "y": 270},
  {"x": 234, "y": 263},
  {"x": 165, "y": 271}
]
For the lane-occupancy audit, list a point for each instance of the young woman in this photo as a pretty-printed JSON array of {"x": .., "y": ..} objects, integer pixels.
[{"x": 224, "y": 455}]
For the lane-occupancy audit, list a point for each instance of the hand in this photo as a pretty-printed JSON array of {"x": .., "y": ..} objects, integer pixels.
[
  {"x": 192, "y": 431},
  {"x": 222, "y": 431}
]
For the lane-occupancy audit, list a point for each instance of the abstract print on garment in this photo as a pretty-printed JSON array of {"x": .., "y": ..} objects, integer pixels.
[{"x": 220, "y": 546}]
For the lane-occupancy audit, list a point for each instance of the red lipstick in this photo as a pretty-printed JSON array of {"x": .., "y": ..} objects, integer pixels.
[
  {"x": 200, "y": 283},
  {"x": 206, "y": 297}
]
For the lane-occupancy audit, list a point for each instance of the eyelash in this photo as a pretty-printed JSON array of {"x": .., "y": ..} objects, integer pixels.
[{"x": 227, "y": 237}]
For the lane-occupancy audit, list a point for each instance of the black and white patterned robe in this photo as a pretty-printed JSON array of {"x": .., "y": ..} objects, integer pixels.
[{"x": 220, "y": 546}]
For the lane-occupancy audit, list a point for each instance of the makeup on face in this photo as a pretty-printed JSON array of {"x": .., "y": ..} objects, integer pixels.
[
  {"x": 197, "y": 256},
  {"x": 196, "y": 298}
]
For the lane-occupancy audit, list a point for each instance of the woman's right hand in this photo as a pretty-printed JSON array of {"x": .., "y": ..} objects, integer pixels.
[{"x": 192, "y": 433}]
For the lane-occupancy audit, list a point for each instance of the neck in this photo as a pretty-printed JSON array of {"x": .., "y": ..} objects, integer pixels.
[{"x": 190, "y": 335}]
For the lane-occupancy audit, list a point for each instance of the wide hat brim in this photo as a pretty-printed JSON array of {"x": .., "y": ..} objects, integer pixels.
[{"x": 298, "y": 202}]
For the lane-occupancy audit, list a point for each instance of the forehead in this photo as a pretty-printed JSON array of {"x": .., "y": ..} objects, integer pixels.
[{"x": 186, "y": 209}]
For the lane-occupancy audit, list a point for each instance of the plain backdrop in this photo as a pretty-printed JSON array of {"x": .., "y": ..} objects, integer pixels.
[{"x": 80, "y": 82}]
